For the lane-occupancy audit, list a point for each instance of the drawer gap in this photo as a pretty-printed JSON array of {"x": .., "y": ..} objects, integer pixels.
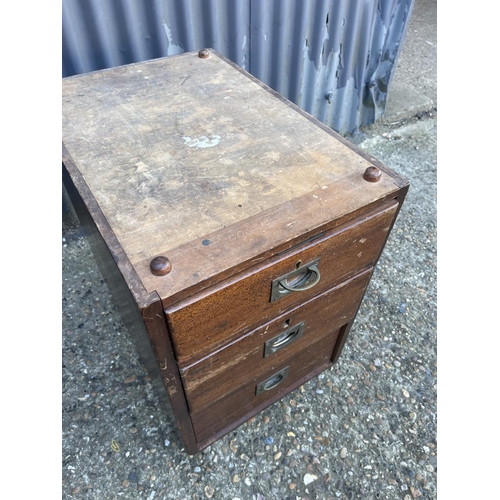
[
  {"x": 308, "y": 240},
  {"x": 364, "y": 272}
]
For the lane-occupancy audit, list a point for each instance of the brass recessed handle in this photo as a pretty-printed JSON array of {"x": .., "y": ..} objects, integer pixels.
[
  {"x": 283, "y": 339},
  {"x": 272, "y": 381},
  {"x": 303, "y": 283},
  {"x": 298, "y": 280}
]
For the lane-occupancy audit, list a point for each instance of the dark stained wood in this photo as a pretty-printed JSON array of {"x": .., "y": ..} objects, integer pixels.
[
  {"x": 372, "y": 174},
  {"x": 160, "y": 341},
  {"x": 160, "y": 266},
  {"x": 231, "y": 367},
  {"x": 342, "y": 338},
  {"x": 204, "y": 323},
  {"x": 145, "y": 323},
  {"x": 218, "y": 433},
  {"x": 241, "y": 403}
]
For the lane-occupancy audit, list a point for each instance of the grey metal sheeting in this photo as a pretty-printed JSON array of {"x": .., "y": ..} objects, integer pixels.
[{"x": 334, "y": 59}]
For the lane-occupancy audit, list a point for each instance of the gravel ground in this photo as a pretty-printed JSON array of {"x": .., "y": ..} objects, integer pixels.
[{"x": 364, "y": 429}]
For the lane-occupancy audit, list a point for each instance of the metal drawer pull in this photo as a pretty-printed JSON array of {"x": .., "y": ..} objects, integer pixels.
[
  {"x": 306, "y": 279},
  {"x": 299, "y": 280},
  {"x": 283, "y": 339},
  {"x": 272, "y": 381}
]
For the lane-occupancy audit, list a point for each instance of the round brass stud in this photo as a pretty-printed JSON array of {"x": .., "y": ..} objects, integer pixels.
[{"x": 203, "y": 54}]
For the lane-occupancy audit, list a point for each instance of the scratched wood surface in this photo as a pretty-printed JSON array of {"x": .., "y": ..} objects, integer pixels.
[
  {"x": 207, "y": 321},
  {"x": 192, "y": 159},
  {"x": 229, "y": 409},
  {"x": 230, "y": 368}
]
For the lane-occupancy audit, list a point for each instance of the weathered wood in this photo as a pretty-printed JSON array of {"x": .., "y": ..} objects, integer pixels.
[
  {"x": 254, "y": 239},
  {"x": 201, "y": 186},
  {"x": 398, "y": 179},
  {"x": 220, "y": 431},
  {"x": 207, "y": 321},
  {"x": 242, "y": 402},
  {"x": 145, "y": 323},
  {"x": 136, "y": 132},
  {"x": 231, "y": 367},
  {"x": 96, "y": 225}
]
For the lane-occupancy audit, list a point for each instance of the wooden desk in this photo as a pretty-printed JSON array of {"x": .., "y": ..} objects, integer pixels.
[{"x": 237, "y": 233}]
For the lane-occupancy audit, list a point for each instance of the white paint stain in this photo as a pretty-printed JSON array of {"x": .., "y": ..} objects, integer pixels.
[
  {"x": 244, "y": 49},
  {"x": 172, "y": 48},
  {"x": 203, "y": 141}
]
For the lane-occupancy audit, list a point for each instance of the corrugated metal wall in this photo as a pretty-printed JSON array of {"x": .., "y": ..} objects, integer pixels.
[{"x": 334, "y": 58}]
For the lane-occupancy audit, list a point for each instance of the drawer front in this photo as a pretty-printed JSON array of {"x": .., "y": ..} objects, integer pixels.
[
  {"x": 208, "y": 321},
  {"x": 272, "y": 344},
  {"x": 242, "y": 404}
]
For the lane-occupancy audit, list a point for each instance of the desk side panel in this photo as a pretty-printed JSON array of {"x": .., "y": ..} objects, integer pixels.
[{"x": 145, "y": 323}]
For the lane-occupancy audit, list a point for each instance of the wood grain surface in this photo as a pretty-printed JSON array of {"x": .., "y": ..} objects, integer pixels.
[
  {"x": 228, "y": 186},
  {"x": 243, "y": 360},
  {"x": 243, "y": 401},
  {"x": 181, "y": 151},
  {"x": 145, "y": 323},
  {"x": 209, "y": 320}
]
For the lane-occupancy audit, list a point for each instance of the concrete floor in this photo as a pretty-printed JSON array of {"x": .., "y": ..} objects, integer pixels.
[{"x": 414, "y": 84}]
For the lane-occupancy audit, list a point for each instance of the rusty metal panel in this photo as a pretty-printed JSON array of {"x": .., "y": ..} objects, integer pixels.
[{"x": 334, "y": 58}]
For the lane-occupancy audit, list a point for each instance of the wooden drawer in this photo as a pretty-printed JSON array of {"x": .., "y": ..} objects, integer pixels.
[
  {"x": 270, "y": 345},
  {"x": 208, "y": 321},
  {"x": 240, "y": 405}
]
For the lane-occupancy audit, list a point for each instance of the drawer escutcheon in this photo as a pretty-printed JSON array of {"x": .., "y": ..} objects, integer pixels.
[{"x": 298, "y": 280}]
